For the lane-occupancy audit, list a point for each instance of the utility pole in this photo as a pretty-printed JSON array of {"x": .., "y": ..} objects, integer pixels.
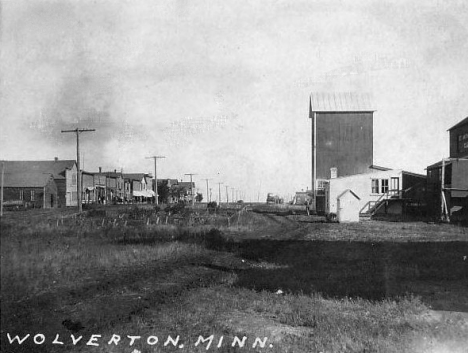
[
  {"x": 77, "y": 131},
  {"x": 208, "y": 198},
  {"x": 155, "y": 176},
  {"x": 232, "y": 194},
  {"x": 445, "y": 214},
  {"x": 1, "y": 191},
  {"x": 219, "y": 192},
  {"x": 191, "y": 185},
  {"x": 227, "y": 194}
]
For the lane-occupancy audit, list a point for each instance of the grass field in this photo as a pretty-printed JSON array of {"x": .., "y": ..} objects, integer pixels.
[{"x": 304, "y": 285}]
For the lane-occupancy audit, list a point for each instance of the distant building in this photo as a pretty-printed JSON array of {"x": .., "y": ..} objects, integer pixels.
[
  {"x": 171, "y": 194},
  {"x": 64, "y": 173},
  {"x": 342, "y": 138},
  {"x": 302, "y": 198},
  {"x": 37, "y": 190},
  {"x": 139, "y": 185},
  {"x": 449, "y": 197}
]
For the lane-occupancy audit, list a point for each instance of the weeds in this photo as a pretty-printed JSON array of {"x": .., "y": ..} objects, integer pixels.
[{"x": 124, "y": 274}]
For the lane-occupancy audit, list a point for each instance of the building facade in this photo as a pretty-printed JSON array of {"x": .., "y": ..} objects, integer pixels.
[
  {"x": 459, "y": 139},
  {"x": 342, "y": 138},
  {"x": 447, "y": 180},
  {"x": 379, "y": 191},
  {"x": 64, "y": 173},
  {"x": 29, "y": 190}
]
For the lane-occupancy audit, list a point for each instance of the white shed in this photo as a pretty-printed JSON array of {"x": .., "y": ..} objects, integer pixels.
[{"x": 348, "y": 206}]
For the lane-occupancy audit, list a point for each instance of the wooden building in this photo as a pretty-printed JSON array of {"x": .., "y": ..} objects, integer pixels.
[
  {"x": 64, "y": 173},
  {"x": 447, "y": 180},
  {"x": 381, "y": 190},
  {"x": 88, "y": 188},
  {"x": 139, "y": 186},
  {"x": 459, "y": 139},
  {"x": 342, "y": 138},
  {"x": 29, "y": 190}
]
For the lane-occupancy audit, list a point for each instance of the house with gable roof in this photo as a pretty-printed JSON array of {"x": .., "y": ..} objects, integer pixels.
[
  {"x": 37, "y": 190},
  {"x": 64, "y": 173}
]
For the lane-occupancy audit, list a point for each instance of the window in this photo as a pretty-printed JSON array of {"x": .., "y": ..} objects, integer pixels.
[
  {"x": 375, "y": 186},
  {"x": 384, "y": 186},
  {"x": 73, "y": 179},
  {"x": 32, "y": 195},
  {"x": 21, "y": 194},
  {"x": 321, "y": 184}
]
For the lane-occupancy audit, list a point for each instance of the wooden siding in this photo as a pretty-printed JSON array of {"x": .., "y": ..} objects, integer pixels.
[
  {"x": 71, "y": 196},
  {"x": 62, "y": 192},
  {"x": 459, "y": 141},
  {"x": 13, "y": 194},
  {"x": 344, "y": 141}
]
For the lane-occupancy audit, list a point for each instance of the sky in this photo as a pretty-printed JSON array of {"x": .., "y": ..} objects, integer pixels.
[{"x": 221, "y": 88}]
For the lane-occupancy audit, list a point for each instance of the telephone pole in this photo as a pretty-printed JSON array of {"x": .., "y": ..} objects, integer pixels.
[
  {"x": 227, "y": 194},
  {"x": 219, "y": 193},
  {"x": 232, "y": 194},
  {"x": 191, "y": 185},
  {"x": 208, "y": 198},
  {"x": 77, "y": 131},
  {"x": 155, "y": 176},
  {"x": 1, "y": 191}
]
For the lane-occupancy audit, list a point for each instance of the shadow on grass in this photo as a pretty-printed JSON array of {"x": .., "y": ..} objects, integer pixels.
[{"x": 437, "y": 272}]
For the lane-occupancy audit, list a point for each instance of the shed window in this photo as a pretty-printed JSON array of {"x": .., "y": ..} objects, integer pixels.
[
  {"x": 32, "y": 195},
  {"x": 73, "y": 179},
  {"x": 375, "y": 186},
  {"x": 384, "y": 186},
  {"x": 21, "y": 194}
]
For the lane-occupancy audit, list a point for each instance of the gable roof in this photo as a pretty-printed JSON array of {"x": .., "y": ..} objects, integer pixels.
[
  {"x": 345, "y": 192},
  {"x": 56, "y": 167},
  {"x": 463, "y": 122},
  {"x": 32, "y": 180},
  {"x": 340, "y": 102}
]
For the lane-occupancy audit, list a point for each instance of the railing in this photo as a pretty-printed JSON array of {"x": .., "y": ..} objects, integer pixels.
[{"x": 372, "y": 206}]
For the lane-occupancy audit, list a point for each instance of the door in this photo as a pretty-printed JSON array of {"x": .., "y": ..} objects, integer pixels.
[{"x": 394, "y": 186}]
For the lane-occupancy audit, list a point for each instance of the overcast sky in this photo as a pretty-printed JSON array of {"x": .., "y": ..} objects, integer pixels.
[{"x": 221, "y": 88}]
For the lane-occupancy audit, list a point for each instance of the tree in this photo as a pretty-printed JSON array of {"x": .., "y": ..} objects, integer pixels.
[
  {"x": 163, "y": 191},
  {"x": 199, "y": 197}
]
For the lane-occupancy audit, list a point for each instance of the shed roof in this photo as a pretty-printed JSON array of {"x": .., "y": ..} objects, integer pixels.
[
  {"x": 377, "y": 167},
  {"x": 463, "y": 122},
  {"x": 448, "y": 161},
  {"x": 26, "y": 180},
  {"x": 56, "y": 167},
  {"x": 341, "y": 102}
]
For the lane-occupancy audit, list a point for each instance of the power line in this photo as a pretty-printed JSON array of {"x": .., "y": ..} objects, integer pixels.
[{"x": 77, "y": 131}]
